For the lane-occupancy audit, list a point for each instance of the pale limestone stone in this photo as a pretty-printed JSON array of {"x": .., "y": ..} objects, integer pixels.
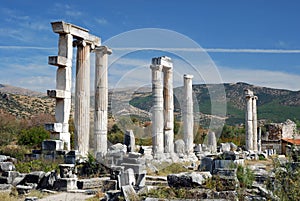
[
  {"x": 82, "y": 99},
  {"x": 188, "y": 116},
  {"x": 212, "y": 141},
  {"x": 168, "y": 108},
  {"x": 101, "y": 100},
  {"x": 157, "y": 110},
  {"x": 254, "y": 114}
]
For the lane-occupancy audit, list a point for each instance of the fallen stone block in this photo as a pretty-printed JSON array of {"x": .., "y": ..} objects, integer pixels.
[
  {"x": 7, "y": 166},
  {"x": 66, "y": 184},
  {"x": 47, "y": 182},
  {"x": 92, "y": 183},
  {"x": 23, "y": 190},
  {"x": 129, "y": 193},
  {"x": 33, "y": 177},
  {"x": 188, "y": 179}
]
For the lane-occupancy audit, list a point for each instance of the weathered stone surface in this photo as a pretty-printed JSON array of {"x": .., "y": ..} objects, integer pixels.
[
  {"x": 129, "y": 141},
  {"x": 47, "y": 182},
  {"x": 157, "y": 109},
  {"x": 67, "y": 171},
  {"x": 3, "y": 158},
  {"x": 129, "y": 193},
  {"x": 187, "y": 179},
  {"x": 225, "y": 147},
  {"x": 212, "y": 141},
  {"x": 101, "y": 99},
  {"x": 7, "y": 166},
  {"x": 5, "y": 187},
  {"x": 206, "y": 164},
  {"x": 179, "y": 146},
  {"x": 113, "y": 195},
  {"x": 8, "y": 177},
  {"x": 23, "y": 189},
  {"x": 188, "y": 115},
  {"x": 66, "y": 184},
  {"x": 52, "y": 145},
  {"x": 226, "y": 183},
  {"x": 128, "y": 177},
  {"x": 103, "y": 183},
  {"x": 33, "y": 177}
]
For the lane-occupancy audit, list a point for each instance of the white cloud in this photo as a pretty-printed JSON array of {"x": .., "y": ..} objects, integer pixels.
[
  {"x": 101, "y": 21},
  {"x": 266, "y": 78},
  {"x": 217, "y": 50}
]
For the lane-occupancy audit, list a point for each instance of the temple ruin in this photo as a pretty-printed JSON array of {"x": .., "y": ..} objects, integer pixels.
[{"x": 74, "y": 36}]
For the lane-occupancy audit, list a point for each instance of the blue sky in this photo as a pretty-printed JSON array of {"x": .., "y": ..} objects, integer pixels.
[{"x": 257, "y": 42}]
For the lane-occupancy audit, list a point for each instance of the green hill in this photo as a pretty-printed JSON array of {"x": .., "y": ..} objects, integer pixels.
[{"x": 274, "y": 105}]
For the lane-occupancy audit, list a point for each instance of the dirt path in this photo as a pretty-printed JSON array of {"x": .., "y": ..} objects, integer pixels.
[{"x": 64, "y": 196}]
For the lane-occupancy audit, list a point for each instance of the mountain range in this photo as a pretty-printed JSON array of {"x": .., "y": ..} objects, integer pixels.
[{"x": 274, "y": 105}]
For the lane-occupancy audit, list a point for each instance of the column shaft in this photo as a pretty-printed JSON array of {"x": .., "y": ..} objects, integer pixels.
[
  {"x": 157, "y": 111},
  {"x": 249, "y": 124},
  {"x": 254, "y": 113},
  {"x": 82, "y": 99},
  {"x": 101, "y": 100},
  {"x": 188, "y": 116},
  {"x": 168, "y": 110}
]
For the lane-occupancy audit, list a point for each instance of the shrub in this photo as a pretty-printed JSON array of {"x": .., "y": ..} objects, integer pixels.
[
  {"x": 37, "y": 165},
  {"x": 33, "y": 137}
]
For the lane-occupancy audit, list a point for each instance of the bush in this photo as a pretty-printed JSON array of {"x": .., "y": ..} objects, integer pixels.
[
  {"x": 33, "y": 137},
  {"x": 14, "y": 151},
  {"x": 37, "y": 165}
]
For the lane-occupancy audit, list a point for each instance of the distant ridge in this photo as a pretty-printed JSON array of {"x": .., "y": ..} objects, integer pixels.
[{"x": 19, "y": 90}]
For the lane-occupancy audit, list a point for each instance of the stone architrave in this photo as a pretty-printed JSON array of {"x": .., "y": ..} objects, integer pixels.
[
  {"x": 249, "y": 119},
  {"x": 254, "y": 116},
  {"x": 101, "y": 100},
  {"x": 168, "y": 106},
  {"x": 157, "y": 110},
  {"x": 188, "y": 116},
  {"x": 82, "y": 98},
  {"x": 212, "y": 141}
]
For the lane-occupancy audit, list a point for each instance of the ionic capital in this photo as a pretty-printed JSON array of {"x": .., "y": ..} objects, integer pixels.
[{"x": 103, "y": 49}]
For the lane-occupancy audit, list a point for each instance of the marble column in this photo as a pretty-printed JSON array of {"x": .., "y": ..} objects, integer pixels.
[
  {"x": 168, "y": 110},
  {"x": 259, "y": 140},
  {"x": 82, "y": 98},
  {"x": 157, "y": 111},
  {"x": 212, "y": 141},
  {"x": 249, "y": 120},
  {"x": 254, "y": 116},
  {"x": 188, "y": 116},
  {"x": 101, "y": 100}
]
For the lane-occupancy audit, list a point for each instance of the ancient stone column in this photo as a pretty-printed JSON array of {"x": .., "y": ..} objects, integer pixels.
[
  {"x": 249, "y": 119},
  {"x": 101, "y": 100},
  {"x": 259, "y": 140},
  {"x": 157, "y": 110},
  {"x": 187, "y": 114},
  {"x": 212, "y": 141},
  {"x": 254, "y": 116},
  {"x": 82, "y": 98},
  {"x": 168, "y": 110},
  {"x": 62, "y": 94}
]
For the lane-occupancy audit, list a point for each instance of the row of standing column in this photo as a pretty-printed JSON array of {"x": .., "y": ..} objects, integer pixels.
[
  {"x": 82, "y": 94},
  {"x": 163, "y": 107}
]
